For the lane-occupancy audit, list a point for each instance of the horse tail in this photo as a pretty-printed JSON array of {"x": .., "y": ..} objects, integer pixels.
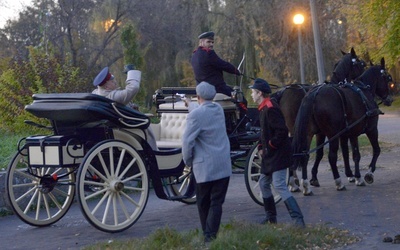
[{"x": 300, "y": 141}]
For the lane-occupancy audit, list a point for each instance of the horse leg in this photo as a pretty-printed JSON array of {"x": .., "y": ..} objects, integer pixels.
[
  {"x": 320, "y": 139},
  {"x": 345, "y": 153},
  {"x": 304, "y": 181},
  {"x": 356, "y": 159},
  {"x": 293, "y": 186},
  {"x": 333, "y": 150},
  {"x": 376, "y": 150}
]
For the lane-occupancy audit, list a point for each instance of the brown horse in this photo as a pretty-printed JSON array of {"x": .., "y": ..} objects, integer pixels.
[
  {"x": 289, "y": 98},
  {"x": 346, "y": 110}
]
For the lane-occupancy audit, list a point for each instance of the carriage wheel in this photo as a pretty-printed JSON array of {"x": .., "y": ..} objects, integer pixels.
[
  {"x": 113, "y": 186},
  {"x": 252, "y": 175},
  {"x": 180, "y": 185},
  {"x": 36, "y": 195}
]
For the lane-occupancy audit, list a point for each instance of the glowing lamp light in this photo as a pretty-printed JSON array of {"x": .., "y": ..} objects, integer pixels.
[{"x": 298, "y": 19}]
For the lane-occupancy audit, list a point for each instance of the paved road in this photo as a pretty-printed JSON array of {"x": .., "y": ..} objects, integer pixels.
[{"x": 370, "y": 212}]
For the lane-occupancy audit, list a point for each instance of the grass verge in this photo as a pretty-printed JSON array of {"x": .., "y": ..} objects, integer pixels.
[{"x": 240, "y": 235}]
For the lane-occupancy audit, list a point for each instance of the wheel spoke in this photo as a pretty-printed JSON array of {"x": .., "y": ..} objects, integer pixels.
[
  {"x": 127, "y": 168},
  {"x": 107, "y": 208},
  {"x": 111, "y": 153},
  {"x": 98, "y": 174},
  {"x": 96, "y": 193},
  {"x": 121, "y": 158},
  {"x": 130, "y": 199},
  {"x": 46, "y": 205},
  {"x": 103, "y": 165},
  {"x": 123, "y": 207},
  {"x": 136, "y": 176},
  {"x": 100, "y": 202},
  {"x": 24, "y": 174},
  {"x": 39, "y": 202},
  {"x": 54, "y": 200}
]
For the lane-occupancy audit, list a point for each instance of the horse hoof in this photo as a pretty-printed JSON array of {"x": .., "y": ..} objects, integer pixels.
[
  {"x": 294, "y": 189},
  {"x": 308, "y": 194},
  {"x": 369, "y": 178},
  {"x": 314, "y": 182},
  {"x": 351, "y": 179},
  {"x": 342, "y": 188},
  {"x": 360, "y": 182}
]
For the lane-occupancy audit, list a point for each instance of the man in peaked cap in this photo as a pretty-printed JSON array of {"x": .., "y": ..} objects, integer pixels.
[
  {"x": 208, "y": 67},
  {"x": 107, "y": 86},
  {"x": 276, "y": 152},
  {"x": 206, "y": 148}
]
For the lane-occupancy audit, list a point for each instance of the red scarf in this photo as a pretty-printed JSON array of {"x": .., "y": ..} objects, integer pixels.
[{"x": 266, "y": 102}]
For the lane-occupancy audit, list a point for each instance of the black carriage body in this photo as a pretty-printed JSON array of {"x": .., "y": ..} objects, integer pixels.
[{"x": 79, "y": 122}]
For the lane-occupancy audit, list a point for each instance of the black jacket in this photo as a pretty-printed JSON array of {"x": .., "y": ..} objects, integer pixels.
[
  {"x": 274, "y": 139},
  {"x": 208, "y": 67}
]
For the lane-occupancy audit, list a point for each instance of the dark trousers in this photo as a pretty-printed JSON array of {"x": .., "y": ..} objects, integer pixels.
[{"x": 210, "y": 196}]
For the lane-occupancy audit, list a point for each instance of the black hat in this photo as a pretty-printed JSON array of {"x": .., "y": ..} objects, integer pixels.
[
  {"x": 102, "y": 77},
  {"x": 261, "y": 85},
  {"x": 208, "y": 34}
]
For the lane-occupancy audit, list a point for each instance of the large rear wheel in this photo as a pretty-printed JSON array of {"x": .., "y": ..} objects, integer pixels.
[
  {"x": 39, "y": 196},
  {"x": 113, "y": 186}
]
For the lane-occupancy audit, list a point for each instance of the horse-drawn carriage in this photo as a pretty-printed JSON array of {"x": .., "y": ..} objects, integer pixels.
[{"x": 98, "y": 153}]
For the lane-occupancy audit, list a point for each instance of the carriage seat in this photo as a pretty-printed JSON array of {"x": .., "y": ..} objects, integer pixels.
[
  {"x": 169, "y": 131},
  {"x": 172, "y": 124}
]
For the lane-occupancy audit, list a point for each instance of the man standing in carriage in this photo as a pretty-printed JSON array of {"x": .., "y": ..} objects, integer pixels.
[
  {"x": 209, "y": 67},
  {"x": 275, "y": 150},
  {"x": 205, "y": 148}
]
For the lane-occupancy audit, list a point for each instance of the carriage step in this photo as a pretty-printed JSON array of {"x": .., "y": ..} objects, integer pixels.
[
  {"x": 238, "y": 154},
  {"x": 178, "y": 198}
]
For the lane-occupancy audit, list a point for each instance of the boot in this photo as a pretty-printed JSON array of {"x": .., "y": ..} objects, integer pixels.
[
  {"x": 270, "y": 211},
  {"x": 295, "y": 212}
]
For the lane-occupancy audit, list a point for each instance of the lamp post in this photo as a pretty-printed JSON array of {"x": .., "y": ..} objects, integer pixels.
[{"x": 298, "y": 19}]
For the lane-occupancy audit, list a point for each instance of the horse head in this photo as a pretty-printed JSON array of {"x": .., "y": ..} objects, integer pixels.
[
  {"x": 383, "y": 86},
  {"x": 357, "y": 65},
  {"x": 348, "y": 68},
  {"x": 377, "y": 80}
]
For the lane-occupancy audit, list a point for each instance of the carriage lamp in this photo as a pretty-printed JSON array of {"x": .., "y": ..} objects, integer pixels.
[
  {"x": 298, "y": 19},
  {"x": 237, "y": 94}
]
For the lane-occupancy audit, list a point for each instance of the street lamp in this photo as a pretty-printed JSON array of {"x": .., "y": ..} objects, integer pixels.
[{"x": 298, "y": 19}]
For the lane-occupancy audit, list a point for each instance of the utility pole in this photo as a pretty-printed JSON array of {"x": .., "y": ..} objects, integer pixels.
[{"x": 317, "y": 44}]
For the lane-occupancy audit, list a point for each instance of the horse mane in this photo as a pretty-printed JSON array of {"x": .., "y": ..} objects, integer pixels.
[{"x": 369, "y": 74}]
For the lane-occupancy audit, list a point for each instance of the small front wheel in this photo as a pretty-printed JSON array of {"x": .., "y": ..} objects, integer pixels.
[
  {"x": 181, "y": 184},
  {"x": 113, "y": 186}
]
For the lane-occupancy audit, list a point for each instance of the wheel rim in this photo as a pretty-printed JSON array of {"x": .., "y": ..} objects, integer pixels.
[
  {"x": 181, "y": 184},
  {"x": 112, "y": 186},
  {"x": 252, "y": 175},
  {"x": 36, "y": 202}
]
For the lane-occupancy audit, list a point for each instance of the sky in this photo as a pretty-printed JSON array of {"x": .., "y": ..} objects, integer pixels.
[{"x": 10, "y": 9}]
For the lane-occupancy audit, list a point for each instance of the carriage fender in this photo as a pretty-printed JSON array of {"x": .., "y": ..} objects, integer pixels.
[{"x": 130, "y": 137}]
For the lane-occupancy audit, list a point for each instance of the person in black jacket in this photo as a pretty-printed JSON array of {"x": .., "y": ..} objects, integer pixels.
[
  {"x": 275, "y": 150},
  {"x": 208, "y": 67}
]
